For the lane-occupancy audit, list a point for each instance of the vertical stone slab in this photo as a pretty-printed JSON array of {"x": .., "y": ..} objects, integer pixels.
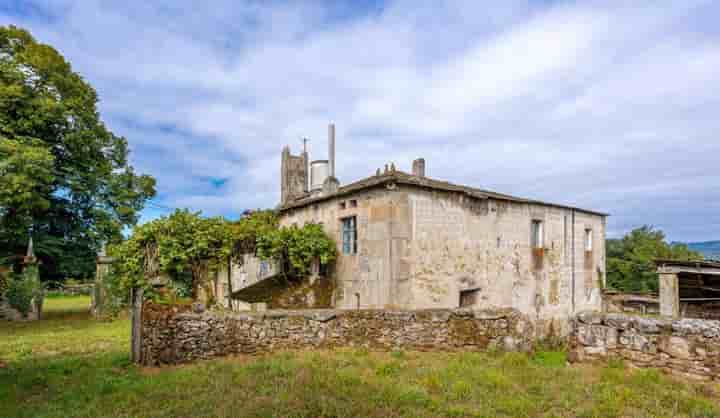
[
  {"x": 99, "y": 293},
  {"x": 669, "y": 295},
  {"x": 136, "y": 299}
]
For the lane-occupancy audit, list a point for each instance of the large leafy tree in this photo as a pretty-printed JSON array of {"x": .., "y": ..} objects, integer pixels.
[
  {"x": 630, "y": 260},
  {"x": 64, "y": 175}
]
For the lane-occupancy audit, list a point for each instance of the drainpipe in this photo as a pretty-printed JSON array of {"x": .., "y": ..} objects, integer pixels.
[{"x": 572, "y": 259}]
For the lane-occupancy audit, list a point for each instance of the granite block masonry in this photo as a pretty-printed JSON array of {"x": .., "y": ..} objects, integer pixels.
[
  {"x": 684, "y": 347},
  {"x": 180, "y": 334}
]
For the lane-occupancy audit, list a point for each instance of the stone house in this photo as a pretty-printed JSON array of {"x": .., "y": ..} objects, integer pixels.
[{"x": 407, "y": 241}]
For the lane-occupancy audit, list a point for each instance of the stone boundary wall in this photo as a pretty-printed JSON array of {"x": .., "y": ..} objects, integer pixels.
[
  {"x": 685, "y": 347},
  {"x": 179, "y": 334}
]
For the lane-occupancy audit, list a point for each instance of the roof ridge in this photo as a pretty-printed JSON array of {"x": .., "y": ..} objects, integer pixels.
[{"x": 423, "y": 181}]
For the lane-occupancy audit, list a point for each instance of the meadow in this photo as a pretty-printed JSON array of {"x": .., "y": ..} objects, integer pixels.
[{"x": 68, "y": 365}]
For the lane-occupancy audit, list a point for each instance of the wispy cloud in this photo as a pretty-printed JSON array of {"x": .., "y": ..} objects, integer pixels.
[{"x": 606, "y": 105}]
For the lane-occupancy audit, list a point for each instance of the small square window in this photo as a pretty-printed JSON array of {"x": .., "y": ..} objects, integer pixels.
[
  {"x": 349, "y": 235},
  {"x": 536, "y": 234},
  {"x": 342, "y": 205},
  {"x": 588, "y": 240},
  {"x": 469, "y": 297},
  {"x": 353, "y": 203}
]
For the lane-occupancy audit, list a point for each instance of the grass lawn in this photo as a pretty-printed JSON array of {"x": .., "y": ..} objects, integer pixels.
[{"x": 68, "y": 365}]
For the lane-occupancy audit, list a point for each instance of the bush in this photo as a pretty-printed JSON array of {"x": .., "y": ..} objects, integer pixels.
[{"x": 23, "y": 290}]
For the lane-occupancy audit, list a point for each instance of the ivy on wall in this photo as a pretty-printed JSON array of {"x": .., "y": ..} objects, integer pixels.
[{"x": 296, "y": 248}]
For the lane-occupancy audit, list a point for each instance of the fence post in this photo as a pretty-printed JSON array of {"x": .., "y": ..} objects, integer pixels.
[{"x": 136, "y": 300}]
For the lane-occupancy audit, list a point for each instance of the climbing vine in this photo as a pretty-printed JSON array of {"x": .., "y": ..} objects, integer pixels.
[
  {"x": 185, "y": 246},
  {"x": 190, "y": 249},
  {"x": 296, "y": 248}
]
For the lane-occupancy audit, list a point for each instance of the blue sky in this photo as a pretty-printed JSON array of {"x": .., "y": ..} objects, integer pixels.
[{"x": 602, "y": 104}]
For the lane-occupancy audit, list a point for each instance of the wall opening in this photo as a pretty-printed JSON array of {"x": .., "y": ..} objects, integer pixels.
[{"x": 469, "y": 297}]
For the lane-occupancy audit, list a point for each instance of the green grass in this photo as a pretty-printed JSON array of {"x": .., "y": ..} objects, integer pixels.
[{"x": 70, "y": 366}]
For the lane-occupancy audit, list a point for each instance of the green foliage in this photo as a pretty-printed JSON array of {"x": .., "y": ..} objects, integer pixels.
[
  {"x": 630, "y": 260},
  {"x": 24, "y": 289},
  {"x": 253, "y": 224},
  {"x": 26, "y": 170},
  {"x": 297, "y": 247},
  {"x": 65, "y": 175},
  {"x": 71, "y": 366},
  {"x": 190, "y": 249},
  {"x": 177, "y": 244}
]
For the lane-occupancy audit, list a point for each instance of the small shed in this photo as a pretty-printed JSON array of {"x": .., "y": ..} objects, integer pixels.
[{"x": 689, "y": 288}]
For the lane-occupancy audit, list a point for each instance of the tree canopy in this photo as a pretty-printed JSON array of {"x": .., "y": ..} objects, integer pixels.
[
  {"x": 630, "y": 260},
  {"x": 65, "y": 176}
]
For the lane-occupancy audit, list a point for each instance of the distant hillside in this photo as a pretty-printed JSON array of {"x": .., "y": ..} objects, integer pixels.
[{"x": 710, "y": 249}]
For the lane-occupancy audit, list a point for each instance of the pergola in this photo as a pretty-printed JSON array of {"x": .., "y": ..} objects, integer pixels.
[{"x": 688, "y": 284}]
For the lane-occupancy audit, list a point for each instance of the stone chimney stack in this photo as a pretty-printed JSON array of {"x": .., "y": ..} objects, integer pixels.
[
  {"x": 293, "y": 175},
  {"x": 331, "y": 149},
  {"x": 418, "y": 167}
]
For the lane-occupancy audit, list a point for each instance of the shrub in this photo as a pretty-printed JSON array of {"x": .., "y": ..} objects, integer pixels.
[{"x": 23, "y": 290}]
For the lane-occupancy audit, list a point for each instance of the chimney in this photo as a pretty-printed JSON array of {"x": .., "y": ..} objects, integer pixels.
[
  {"x": 331, "y": 149},
  {"x": 418, "y": 168}
]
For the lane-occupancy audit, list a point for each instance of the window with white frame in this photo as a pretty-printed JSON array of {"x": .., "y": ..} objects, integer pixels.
[
  {"x": 588, "y": 240},
  {"x": 349, "y": 235},
  {"x": 536, "y": 234}
]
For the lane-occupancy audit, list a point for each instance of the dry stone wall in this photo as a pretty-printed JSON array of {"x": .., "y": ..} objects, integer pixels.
[
  {"x": 8, "y": 313},
  {"x": 686, "y": 347},
  {"x": 178, "y": 334}
]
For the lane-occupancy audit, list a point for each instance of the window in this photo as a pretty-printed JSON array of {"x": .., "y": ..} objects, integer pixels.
[
  {"x": 536, "y": 234},
  {"x": 353, "y": 203},
  {"x": 342, "y": 205},
  {"x": 588, "y": 240},
  {"x": 469, "y": 297},
  {"x": 349, "y": 235}
]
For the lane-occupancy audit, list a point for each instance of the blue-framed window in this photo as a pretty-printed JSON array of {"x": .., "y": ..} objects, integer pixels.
[{"x": 349, "y": 235}]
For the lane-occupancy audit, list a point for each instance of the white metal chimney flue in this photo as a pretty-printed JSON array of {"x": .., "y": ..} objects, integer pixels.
[{"x": 331, "y": 149}]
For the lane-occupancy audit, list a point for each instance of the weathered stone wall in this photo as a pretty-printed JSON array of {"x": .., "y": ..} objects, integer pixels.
[
  {"x": 461, "y": 244},
  {"x": 244, "y": 272},
  {"x": 419, "y": 249},
  {"x": 176, "y": 334},
  {"x": 687, "y": 347},
  {"x": 366, "y": 280}
]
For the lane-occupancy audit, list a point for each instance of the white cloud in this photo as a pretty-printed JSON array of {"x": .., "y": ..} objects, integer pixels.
[{"x": 606, "y": 105}]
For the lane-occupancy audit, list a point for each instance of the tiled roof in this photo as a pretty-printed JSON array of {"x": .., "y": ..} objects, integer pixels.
[{"x": 400, "y": 177}]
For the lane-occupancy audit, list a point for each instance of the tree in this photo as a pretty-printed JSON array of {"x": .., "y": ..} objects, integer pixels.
[
  {"x": 630, "y": 260},
  {"x": 64, "y": 174}
]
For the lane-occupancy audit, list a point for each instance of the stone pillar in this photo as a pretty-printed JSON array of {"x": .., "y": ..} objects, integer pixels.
[
  {"x": 99, "y": 294},
  {"x": 418, "y": 167},
  {"x": 669, "y": 295},
  {"x": 136, "y": 305}
]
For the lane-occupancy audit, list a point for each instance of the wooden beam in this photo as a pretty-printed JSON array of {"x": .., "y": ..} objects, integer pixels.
[{"x": 711, "y": 271}]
